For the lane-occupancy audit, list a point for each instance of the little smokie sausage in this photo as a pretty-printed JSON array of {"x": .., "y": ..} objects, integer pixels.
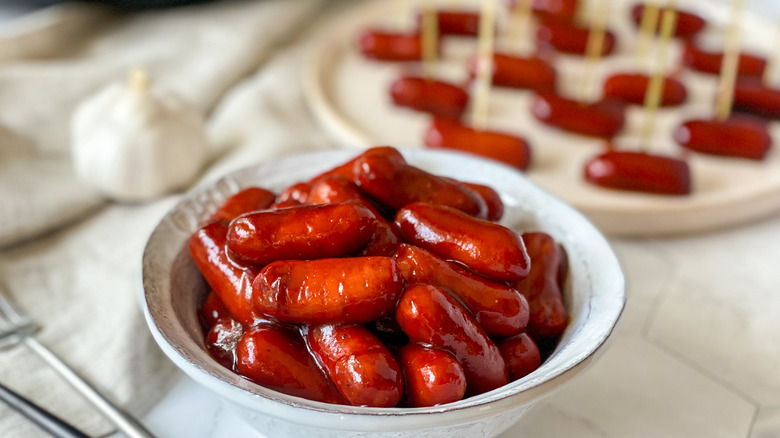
[
  {"x": 346, "y": 169},
  {"x": 337, "y": 189},
  {"x": 602, "y": 119},
  {"x": 485, "y": 247},
  {"x": 687, "y": 23},
  {"x": 738, "y": 136},
  {"x": 222, "y": 338},
  {"x": 432, "y": 376},
  {"x": 709, "y": 62},
  {"x": 352, "y": 290},
  {"x": 501, "y": 310},
  {"x": 431, "y": 96},
  {"x": 639, "y": 172},
  {"x": 212, "y": 310},
  {"x": 495, "y": 206},
  {"x": 429, "y": 315},
  {"x": 568, "y": 37},
  {"x": 245, "y": 201},
  {"x": 276, "y": 357},
  {"x": 230, "y": 281},
  {"x": 300, "y": 233},
  {"x": 358, "y": 363},
  {"x": 396, "y": 184},
  {"x": 298, "y": 192},
  {"x": 461, "y": 23},
  {"x": 492, "y": 199},
  {"x": 541, "y": 287},
  {"x": 287, "y": 203},
  {"x": 506, "y": 148},
  {"x": 390, "y": 46},
  {"x": 632, "y": 87},
  {"x": 563, "y": 10},
  {"x": 516, "y": 72},
  {"x": 521, "y": 355},
  {"x": 752, "y": 96}
]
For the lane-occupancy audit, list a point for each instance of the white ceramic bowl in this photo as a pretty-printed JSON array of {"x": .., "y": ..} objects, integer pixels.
[{"x": 173, "y": 288}]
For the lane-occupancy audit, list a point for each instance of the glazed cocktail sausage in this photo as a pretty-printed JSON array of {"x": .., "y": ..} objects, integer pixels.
[
  {"x": 429, "y": 315},
  {"x": 346, "y": 169},
  {"x": 752, "y": 96},
  {"x": 602, "y": 119},
  {"x": 709, "y": 62},
  {"x": 499, "y": 146},
  {"x": 484, "y": 247},
  {"x": 432, "y": 376},
  {"x": 639, "y": 172},
  {"x": 687, "y": 24},
  {"x": 277, "y": 358},
  {"x": 300, "y": 233},
  {"x": 396, "y": 184},
  {"x": 518, "y": 72},
  {"x": 632, "y": 87},
  {"x": 738, "y": 136},
  {"x": 229, "y": 280},
  {"x": 461, "y": 23},
  {"x": 429, "y": 95},
  {"x": 541, "y": 287},
  {"x": 492, "y": 199},
  {"x": 568, "y": 37},
  {"x": 338, "y": 189},
  {"x": 390, "y": 46},
  {"x": 358, "y": 363},
  {"x": 521, "y": 355},
  {"x": 351, "y": 290},
  {"x": 501, "y": 310},
  {"x": 298, "y": 192},
  {"x": 245, "y": 201}
]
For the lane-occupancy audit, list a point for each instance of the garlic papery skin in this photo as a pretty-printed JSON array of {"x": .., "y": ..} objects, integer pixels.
[{"x": 135, "y": 143}]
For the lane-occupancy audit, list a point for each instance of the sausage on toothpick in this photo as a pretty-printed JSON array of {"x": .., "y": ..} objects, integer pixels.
[
  {"x": 450, "y": 134},
  {"x": 602, "y": 119},
  {"x": 727, "y": 135},
  {"x": 642, "y": 171}
]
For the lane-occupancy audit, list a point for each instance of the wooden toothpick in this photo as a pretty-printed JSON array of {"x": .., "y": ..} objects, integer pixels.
[
  {"x": 730, "y": 66},
  {"x": 647, "y": 27},
  {"x": 484, "y": 79},
  {"x": 655, "y": 88},
  {"x": 521, "y": 20},
  {"x": 595, "y": 45},
  {"x": 430, "y": 38}
]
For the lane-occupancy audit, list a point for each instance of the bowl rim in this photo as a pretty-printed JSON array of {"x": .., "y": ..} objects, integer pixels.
[{"x": 172, "y": 338}]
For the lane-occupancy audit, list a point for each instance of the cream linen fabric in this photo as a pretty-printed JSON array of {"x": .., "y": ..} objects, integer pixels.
[{"x": 81, "y": 278}]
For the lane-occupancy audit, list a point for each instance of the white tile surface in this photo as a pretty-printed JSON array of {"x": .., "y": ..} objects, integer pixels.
[
  {"x": 192, "y": 411},
  {"x": 648, "y": 272},
  {"x": 637, "y": 390},
  {"x": 721, "y": 311}
]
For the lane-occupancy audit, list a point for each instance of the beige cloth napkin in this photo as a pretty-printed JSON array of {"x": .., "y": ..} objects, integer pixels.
[
  {"x": 81, "y": 280},
  {"x": 197, "y": 52}
]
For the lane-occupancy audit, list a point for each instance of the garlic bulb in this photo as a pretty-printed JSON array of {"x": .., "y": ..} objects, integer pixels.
[{"x": 134, "y": 143}]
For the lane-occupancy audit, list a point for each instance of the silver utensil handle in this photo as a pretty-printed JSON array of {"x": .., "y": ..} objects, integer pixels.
[
  {"x": 123, "y": 421},
  {"x": 41, "y": 417}
]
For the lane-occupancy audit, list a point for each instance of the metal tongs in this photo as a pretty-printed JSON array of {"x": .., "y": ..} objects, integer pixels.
[{"x": 17, "y": 328}]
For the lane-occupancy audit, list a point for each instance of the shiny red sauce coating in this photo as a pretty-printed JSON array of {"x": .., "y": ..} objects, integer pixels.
[{"x": 303, "y": 306}]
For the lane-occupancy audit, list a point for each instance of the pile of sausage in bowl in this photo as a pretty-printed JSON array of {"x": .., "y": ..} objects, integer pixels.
[{"x": 388, "y": 293}]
